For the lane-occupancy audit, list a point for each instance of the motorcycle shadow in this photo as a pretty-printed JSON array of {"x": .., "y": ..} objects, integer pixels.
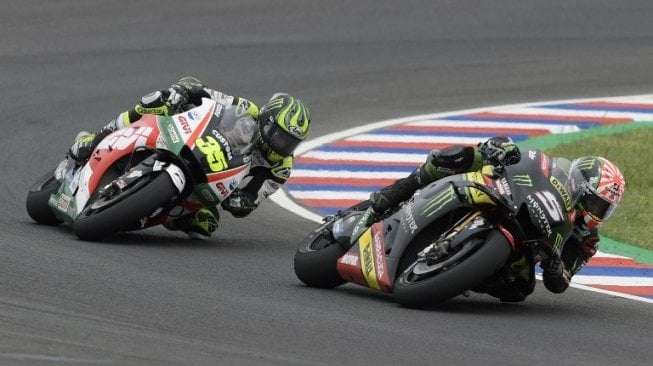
[
  {"x": 475, "y": 303},
  {"x": 152, "y": 237}
]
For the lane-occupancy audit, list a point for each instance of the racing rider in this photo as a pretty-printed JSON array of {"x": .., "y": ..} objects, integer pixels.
[
  {"x": 602, "y": 189},
  {"x": 283, "y": 122}
]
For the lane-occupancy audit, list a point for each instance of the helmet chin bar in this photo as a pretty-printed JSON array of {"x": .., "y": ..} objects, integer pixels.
[
  {"x": 278, "y": 139},
  {"x": 591, "y": 221},
  {"x": 268, "y": 153}
]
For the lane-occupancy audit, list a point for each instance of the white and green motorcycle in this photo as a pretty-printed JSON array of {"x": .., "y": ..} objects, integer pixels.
[{"x": 153, "y": 171}]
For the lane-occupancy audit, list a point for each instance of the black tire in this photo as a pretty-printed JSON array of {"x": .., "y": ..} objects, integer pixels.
[
  {"x": 126, "y": 209},
  {"x": 316, "y": 260},
  {"x": 37, "y": 200},
  {"x": 413, "y": 291}
]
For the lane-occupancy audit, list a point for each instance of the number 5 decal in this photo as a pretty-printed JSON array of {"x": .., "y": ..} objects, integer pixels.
[
  {"x": 213, "y": 151},
  {"x": 551, "y": 204}
]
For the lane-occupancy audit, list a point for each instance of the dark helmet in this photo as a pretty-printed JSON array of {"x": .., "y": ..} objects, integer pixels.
[
  {"x": 284, "y": 122},
  {"x": 602, "y": 189}
]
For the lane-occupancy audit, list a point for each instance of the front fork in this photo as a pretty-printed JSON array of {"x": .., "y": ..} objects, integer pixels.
[
  {"x": 468, "y": 226},
  {"x": 442, "y": 246}
]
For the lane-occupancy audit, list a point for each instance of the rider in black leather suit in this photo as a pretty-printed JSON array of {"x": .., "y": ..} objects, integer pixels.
[{"x": 602, "y": 191}]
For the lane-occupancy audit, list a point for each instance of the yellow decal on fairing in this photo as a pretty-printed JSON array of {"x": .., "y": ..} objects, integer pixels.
[
  {"x": 477, "y": 196},
  {"x": 213, "y": 151},
  {"x": 367, "y": 259}
]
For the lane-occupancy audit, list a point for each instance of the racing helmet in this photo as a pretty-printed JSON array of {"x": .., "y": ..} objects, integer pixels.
[
  {"x": 602, "y": 189},
  {"x": 284, "y": 122}
]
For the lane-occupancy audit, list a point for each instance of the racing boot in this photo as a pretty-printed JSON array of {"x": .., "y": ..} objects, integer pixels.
[
  {"x": 520, "y": 281},
  {"x": 197, "y": 225},
  {"x": 399, "y": 191},
  {"x": 81, "y": 149},
  {"x": 86, "y": 142},
  {"x": 439, "y": 163}
]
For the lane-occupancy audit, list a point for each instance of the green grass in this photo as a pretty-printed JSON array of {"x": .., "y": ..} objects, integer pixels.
[{"x": 628, "y": 147}]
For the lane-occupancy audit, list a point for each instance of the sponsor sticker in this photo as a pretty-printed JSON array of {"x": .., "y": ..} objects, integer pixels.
[
  {"x": 172, "y": 132},
  {"x": 63, "y": 203},
  {"x": 349, "y": 259}
]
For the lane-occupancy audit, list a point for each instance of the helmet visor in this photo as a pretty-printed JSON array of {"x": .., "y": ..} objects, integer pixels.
[
  {"x": 278, "y": 139},
  {"x": 598, "y": 207}
]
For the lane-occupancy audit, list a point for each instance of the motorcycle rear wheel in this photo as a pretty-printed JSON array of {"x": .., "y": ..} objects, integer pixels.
[
  {"x": 102, "y": 218},
  {"x": 37, "y": 200},
  {"x": 316, "y": 260},
  {"x": 423, "y": 289}
]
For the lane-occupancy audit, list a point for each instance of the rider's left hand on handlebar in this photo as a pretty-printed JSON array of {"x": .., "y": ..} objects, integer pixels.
[
  {"x": 500, "y": 150},
  {"x": 177, "y": 98}
]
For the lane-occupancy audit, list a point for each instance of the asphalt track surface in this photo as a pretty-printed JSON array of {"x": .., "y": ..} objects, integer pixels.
[{"x": 155, "y": 298}]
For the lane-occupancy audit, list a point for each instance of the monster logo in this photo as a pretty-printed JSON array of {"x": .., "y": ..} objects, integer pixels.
[
  {"x": 439, "y": 201},
  {"x": 523, "y": 180}
]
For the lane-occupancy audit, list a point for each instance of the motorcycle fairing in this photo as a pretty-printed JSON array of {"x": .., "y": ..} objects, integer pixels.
[
  {"x": 544, "y": 196},
  {"x": 365, "y": 263},
  {"x": 80, "y": 183},
  {"x": 155, "y": 132},
  {"x": 426, "y": 206},
  {"x": 370, "y": 261},
  {"x": 191, "y": 124},
  {"x": 374, "y": 258},
  {"x": 172, "y": 133},
  {"x": 69, "y": 196},
  {"x": 220, "y": 184}
]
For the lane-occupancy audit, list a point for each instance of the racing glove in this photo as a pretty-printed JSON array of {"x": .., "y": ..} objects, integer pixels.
[
  {"x": 556, "y": 278},
  {"x": 500, "y": 150},
  {"x": 162, "y": 102},
  {"x": 86, "y": 142},
  {"x": 579, "y": 248},
  {"x": 239, "y": 203},
  {"x": 177, "y": 97}
]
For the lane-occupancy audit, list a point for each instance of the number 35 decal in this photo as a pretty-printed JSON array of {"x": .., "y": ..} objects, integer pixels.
[{"x": 213, "y": 151}]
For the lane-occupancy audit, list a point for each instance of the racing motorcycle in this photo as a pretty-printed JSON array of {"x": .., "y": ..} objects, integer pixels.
[
  {"x": 458, "y": 234},
  {"x": 158, "y": 168}
]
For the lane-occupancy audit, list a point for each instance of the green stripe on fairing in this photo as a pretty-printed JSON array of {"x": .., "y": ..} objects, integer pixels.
[
  {"x": 164, "y": 122},
  {"x": 550, "y": 141}
]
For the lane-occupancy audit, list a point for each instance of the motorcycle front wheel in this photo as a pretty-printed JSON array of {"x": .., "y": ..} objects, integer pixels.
[
  {"x": 423, "y": 284},
  {"x": 104, "y": 216}
]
